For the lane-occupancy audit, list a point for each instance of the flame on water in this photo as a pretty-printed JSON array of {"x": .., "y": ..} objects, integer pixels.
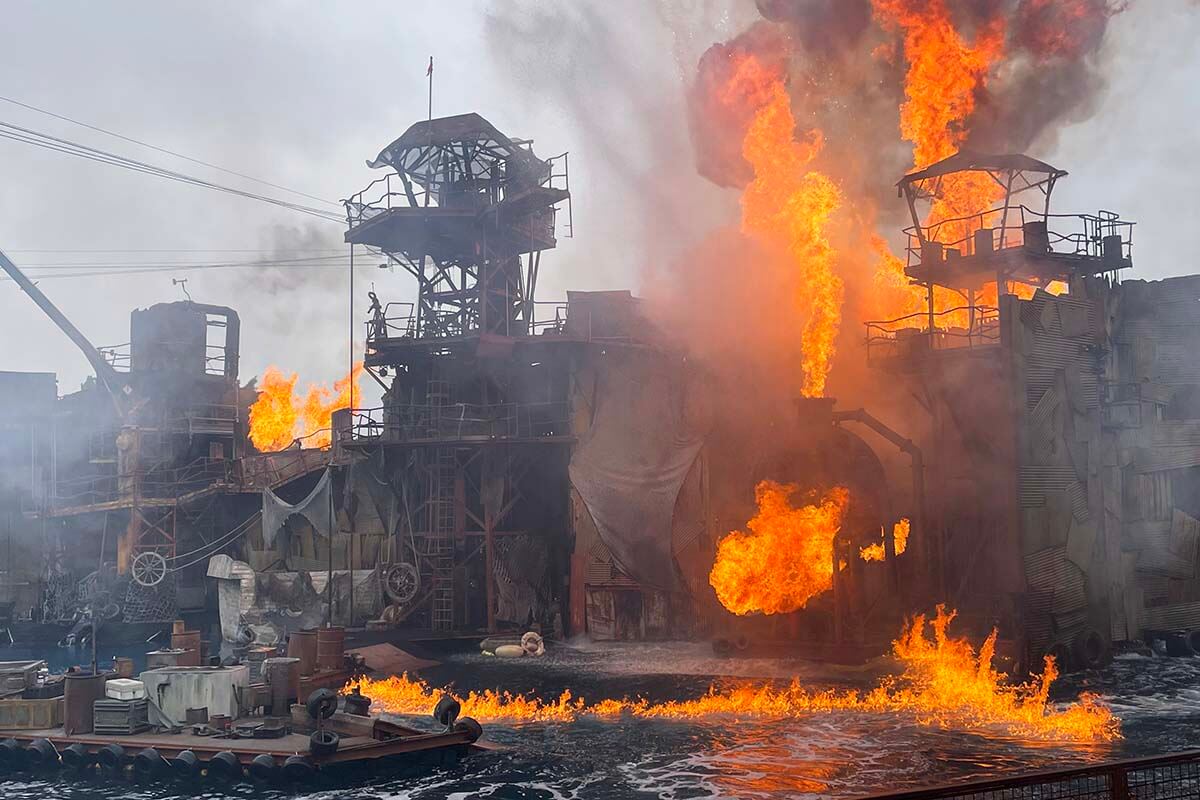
[
  {"x": 786, "y": 556},
  {"x": 878, "y": 551},
  {"x": 944, "y": 682},
  {"x": 790, "y": 203},
  {"x": 279, "y": 415}
]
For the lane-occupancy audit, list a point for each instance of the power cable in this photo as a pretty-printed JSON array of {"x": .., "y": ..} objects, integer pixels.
[
  {"x": 68, "y": 147},
  {"x": 140, "y": 143}
]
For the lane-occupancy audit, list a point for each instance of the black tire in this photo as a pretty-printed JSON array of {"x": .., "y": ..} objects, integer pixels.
[
  {"x": 41, "y": 754},
  {"x": 185, "y": 765},
  {"x": 471, "y": 727},
  {"x": 1193, "y": 640},
  {"x": 322, "y": 703},
  {"x": 149, "y": 763},
  {"x": 224, "y": 766},
  {"x": 447, "y": 710},
  {"x": 75, "y": 756},
  {"x": 12, "y": 756},
  {"x": 111, "y": 756},
  {"x": 323, "y": 743},
  {"x": 262, "y": 768},
  {"x": 298, "y": 769},
  {"x": 1091, "y": 650}
]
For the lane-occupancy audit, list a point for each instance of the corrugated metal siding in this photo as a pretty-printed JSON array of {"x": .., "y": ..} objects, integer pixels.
[{"x": 1182, "y": 616}]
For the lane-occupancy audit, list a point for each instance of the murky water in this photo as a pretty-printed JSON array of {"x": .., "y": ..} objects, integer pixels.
[{"x": 823, "y": 755}]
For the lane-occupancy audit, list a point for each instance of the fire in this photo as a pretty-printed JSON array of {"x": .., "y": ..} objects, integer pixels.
[
  {"x": 786, "y": 559},
  {"x": 878, "y": 551},
  {"x": 944, "y": 683},
  {"x": 279, "y": 416},
  {"x": 790, "y": 203},
  {"x": 945, "y": 74}
]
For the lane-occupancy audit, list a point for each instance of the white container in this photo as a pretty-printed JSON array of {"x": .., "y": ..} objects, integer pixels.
[
  {"x": 124, "y": 689},
  {"x": 222, "y": 690}
]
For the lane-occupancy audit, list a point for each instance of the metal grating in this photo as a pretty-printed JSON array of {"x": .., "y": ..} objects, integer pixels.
[{"x": 1173, "y": 777}]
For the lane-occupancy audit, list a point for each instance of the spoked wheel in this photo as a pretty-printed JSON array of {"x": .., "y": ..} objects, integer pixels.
[
  {"x": 148, "y": 568},
  {"x": 401, "y": 582}
]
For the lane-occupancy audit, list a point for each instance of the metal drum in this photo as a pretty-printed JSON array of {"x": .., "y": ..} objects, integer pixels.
[
  {"x": 331, "y": 648},
  {"x": 80, "y": 692},
  {"x": 303, "y": 645}
]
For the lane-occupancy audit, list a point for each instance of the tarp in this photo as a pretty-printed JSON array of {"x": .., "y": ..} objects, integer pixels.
[
  {"x": 631, "y": 462},
  {"x": 315, "y": 508}
]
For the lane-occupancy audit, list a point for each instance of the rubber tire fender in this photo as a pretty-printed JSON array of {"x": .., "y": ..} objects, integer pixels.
[
  {"x": 41, "y": 753},
  {"x": 471, "y": 727},
  {"x": 323, "y": 743},
  {"x": 322, "y": 703},
  {"x": 224, "y": 766},
  {"x": 446, "y": 710}
]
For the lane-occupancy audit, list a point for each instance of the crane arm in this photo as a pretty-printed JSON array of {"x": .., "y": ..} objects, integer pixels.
[{"x": 108, "y": 377}]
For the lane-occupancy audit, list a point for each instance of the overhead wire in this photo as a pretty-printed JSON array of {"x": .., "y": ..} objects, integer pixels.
[
  {"x": 141, "y": 143},
  {"x": 57, "y": 144}
]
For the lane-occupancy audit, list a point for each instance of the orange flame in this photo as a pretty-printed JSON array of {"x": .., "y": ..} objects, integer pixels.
[
  {"x": 945, "y": 74},
  {"x": 787, "y": 557},
  {"x": 944, "y": 683},
  {"x": 278, "y": 417},
  {"x": 790, "y": 203},
  {"x": 878, "y": 551}
]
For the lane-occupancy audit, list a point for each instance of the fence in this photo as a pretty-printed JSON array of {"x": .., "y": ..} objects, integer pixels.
[
  {"x": 462, "y": 421},
  {"x": 1170, "y": 777},
  {"x": 953, "y": 329}
]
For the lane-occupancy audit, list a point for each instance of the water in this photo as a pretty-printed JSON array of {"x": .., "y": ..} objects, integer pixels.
[{"x": 845, "y": 755}]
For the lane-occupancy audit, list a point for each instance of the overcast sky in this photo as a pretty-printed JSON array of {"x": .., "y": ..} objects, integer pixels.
[{"x": 303, "y": 93}]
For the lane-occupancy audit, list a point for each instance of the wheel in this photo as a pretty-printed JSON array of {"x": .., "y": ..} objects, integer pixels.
[
  {"x": 323, "y": 743},
  {"x": 148, "y": 568},
  {"x": 446, "y": 710},
  {"x": 401, "y": 582},
  {"x": 322, "y": 703},
  {"x": 470, "y": 727}
]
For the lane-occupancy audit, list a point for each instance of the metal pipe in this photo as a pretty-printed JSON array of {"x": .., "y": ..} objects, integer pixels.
[{"x": 917, "y": 458}]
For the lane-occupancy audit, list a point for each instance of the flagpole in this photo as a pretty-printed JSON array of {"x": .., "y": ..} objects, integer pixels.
[{"x": 429, "y": 72}]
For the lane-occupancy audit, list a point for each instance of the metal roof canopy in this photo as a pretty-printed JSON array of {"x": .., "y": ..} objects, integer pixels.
[
  {"x": 1014, "y": 173},
  {"x": 418, "y": 152}
]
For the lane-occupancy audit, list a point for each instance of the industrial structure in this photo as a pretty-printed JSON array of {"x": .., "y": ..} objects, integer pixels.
[{"x": 555, "y": 464}]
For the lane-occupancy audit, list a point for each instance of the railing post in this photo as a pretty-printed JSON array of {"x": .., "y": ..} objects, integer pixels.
[{"x": 1118, "y": 784}]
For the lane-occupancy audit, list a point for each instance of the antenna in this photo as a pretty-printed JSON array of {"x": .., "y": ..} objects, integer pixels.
[{"x": 182, "y": 284}]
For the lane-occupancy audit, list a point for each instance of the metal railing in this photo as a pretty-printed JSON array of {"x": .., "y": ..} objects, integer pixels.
[
  {"x": 151, "y": 483},
  {"x": 398, "y": 322},
  {"x": 958, "y": 328},
  {"x": 390, "y": 192},
  {"x": 120, "y": 356},
  {"x": 460, "y": 421},
  {"x": 1102, "y": 235},
  {"x": 1170, "y": 777}
]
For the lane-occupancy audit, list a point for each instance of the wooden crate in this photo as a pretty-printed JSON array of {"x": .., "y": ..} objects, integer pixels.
[{"x": 17, "y": 714}]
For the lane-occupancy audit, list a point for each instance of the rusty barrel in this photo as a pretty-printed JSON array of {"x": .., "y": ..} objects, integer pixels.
[
  {"x": 331, "y": 648},
  {"x": 79, "y": 693},
  {"x": 303, "y": 646},
  {"x": 283, "y": 676},
  {"x": 189, "y": 643}
]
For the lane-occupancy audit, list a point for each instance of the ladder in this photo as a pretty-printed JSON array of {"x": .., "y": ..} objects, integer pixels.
[{"x": 441, "y": 542}]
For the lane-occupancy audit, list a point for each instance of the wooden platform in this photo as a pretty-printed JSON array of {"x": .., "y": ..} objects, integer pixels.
[{"x": 362, "y": 739}]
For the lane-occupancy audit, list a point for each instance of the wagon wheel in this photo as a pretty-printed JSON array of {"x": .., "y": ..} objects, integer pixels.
[
  {"x": 401, "y": 582},
  {"x": 149, "y": 569}
]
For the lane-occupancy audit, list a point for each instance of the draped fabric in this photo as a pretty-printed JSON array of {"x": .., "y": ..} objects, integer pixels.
[
  {"x": 317, "y": 508},
  {"x": 631, "y": 462}
]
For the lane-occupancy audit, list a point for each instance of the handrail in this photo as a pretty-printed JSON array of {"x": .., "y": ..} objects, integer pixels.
[
  {"x": 1167, "y": 776},
  {"x": 426, "y": 422}
]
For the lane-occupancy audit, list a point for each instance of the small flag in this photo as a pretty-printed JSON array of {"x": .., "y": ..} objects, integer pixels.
[{"x": 429, "y": 71}]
